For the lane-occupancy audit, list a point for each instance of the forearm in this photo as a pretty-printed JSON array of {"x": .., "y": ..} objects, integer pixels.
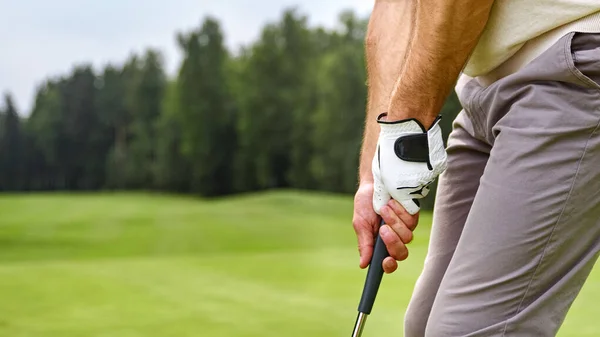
[
  {"x": 387, "y": 41},
  {"x": 445, "y": 33}
]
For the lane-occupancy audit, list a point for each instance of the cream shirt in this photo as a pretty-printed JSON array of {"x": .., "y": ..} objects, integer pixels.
[{"x": 520, "y": 30}]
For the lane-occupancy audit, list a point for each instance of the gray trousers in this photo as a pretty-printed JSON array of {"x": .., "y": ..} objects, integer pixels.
[{"x": 516, "y": 228}]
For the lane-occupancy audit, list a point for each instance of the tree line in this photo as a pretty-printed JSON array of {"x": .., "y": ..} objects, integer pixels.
[{"x": 286, "y": 111}]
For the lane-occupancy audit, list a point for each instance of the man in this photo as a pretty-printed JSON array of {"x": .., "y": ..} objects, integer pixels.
[{"x": 516, "y": 226}]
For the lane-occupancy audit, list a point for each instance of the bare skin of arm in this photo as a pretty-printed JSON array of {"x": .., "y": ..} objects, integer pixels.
[
  {"x": 444, "y": 35},
  {"x": 386, "y": 45},
  {"x": 385, "y": 54},
  {"x": 415, "y": 51}
]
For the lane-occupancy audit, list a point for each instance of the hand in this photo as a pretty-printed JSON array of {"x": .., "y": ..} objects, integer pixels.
[
  {"x": 365, "y": 222},
  {"x": 396, "y": 233},
  {"x": 408, "y": 159},
  {"x": 399, "y": 227}
]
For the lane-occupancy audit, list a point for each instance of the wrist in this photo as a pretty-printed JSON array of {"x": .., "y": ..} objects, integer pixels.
[
  {"x": 425, "y": 119},
  {"x": 365, "y": 179},
  {"x": 424, "y": 111}
]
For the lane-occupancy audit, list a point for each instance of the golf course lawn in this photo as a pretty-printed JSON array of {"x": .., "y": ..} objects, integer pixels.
[{"x": 278, "y": 264}]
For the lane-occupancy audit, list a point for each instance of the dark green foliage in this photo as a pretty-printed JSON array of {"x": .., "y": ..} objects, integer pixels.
[
  {"x": 173, "y": 168},
  {"x": 66, "y": 130},
  {"x": 338, "y": 122},
  {"x": 265, "y": 119},
  {"x": 115, "y": 114},
  {"x": 204, "y": 110},
  {"x": 12, "y": 141},
  {"x": 286, "y": 111},
  {"x": 145, "y": 106}
]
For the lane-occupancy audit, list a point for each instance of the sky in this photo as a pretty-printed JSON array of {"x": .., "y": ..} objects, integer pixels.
[{"x": 41, "y": 39}]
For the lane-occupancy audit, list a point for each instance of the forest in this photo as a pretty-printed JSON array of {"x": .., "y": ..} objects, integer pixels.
[{"x": 285, "y": 111}]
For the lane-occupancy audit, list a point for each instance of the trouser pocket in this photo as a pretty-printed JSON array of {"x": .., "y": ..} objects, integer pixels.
[{"x": 584, "y": 62}]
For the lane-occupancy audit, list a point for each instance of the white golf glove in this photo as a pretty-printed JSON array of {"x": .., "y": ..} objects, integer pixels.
[{"x": 408, "y": 159}]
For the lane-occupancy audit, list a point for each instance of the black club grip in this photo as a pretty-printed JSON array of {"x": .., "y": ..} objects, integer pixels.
[{"x": 374, "y": 275}]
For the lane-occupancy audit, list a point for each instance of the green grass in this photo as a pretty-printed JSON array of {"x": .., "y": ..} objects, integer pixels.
[{"x": 273, "y": 264}]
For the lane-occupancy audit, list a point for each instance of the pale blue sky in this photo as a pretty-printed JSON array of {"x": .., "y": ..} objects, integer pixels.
[{"x": 40, "y": 38}]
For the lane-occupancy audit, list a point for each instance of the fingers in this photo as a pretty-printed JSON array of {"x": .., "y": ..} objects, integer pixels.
[
  {"x": 371, "y": 200},
  {"x": 409, "y": 220},
  {"x": 396, "y": 248},
  {"x": 390, "y": 217},
  {"x": 366, "y": 240},
  {"x": 396, "y": 233},
  {"x": 389, "y": 265},
  {"x": 365, "y": 222}
]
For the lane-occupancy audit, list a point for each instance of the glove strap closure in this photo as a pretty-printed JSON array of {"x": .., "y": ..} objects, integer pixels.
[{"x": 413, "y": 148}]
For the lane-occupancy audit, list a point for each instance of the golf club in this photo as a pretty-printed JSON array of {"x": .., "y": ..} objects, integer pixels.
[{"x": 374, "y": 275}]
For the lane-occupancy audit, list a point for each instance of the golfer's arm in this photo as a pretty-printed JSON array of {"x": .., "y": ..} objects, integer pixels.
[
  {"x": 445, "y": 33},
  {"x": 387, "y": 41}
]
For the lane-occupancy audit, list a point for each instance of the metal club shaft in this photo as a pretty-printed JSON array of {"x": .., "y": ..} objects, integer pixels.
[{"x": 360, "y": 324}]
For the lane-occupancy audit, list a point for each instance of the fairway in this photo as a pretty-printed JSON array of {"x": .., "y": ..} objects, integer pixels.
[{"x": 279, "y": 264}]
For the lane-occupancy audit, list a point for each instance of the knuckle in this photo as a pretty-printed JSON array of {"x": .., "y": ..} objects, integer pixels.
[
  {"x": 388, "y": 219},
  {"x": 358, "y": 224},
  {"x": 400, "y": 211},
  {"x": 394, "y": 250},
  {"x": 402, "y": 254},
  {"x": 411, "y": 222},
  {"x": 403, "y": 231},
  {"x": 389, "y": 237},
  {"x": 398, "y": 208},
  {"x": 408, "y": 237},
  {"x": 395, "y": 247},
  {"x": 384, "y": 209}
]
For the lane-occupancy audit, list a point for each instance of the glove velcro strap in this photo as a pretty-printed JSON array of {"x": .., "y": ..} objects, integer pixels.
[
  {"x": 414, "y": 148},
  {"x": 412, "y": 143}
]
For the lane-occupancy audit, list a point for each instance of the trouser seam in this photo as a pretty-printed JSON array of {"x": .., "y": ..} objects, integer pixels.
[
  {"x": 546, "y": 245},
  {"x": 482, "y": 115},
  {"x": 476, "y": 113}
]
